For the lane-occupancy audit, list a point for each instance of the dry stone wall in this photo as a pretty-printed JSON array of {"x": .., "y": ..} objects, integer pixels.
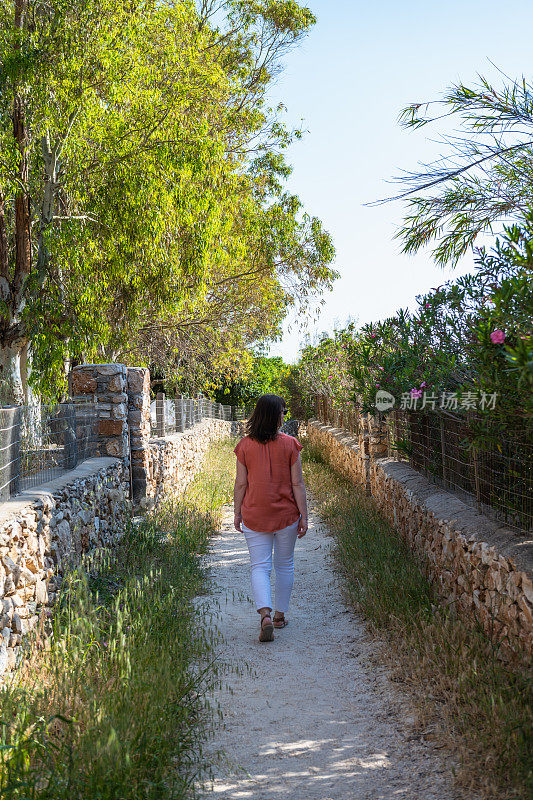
[
  {"x": 42, "y": 530},
  {"x": 174, "y": 460},
  {"x": 349, "y": 457},
  {"x": 45, "y": 528},
  {"x": 483, "y": 569}
]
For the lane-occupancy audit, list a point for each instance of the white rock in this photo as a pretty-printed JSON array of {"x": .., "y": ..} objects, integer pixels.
[
  {"x": 63, "y": 532},
  {"x": 41, "y": 592},
  {"x": 3, "y": 658}
]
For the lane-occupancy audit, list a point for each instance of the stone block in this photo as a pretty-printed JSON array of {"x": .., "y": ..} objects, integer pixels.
[
  {"x": 527, "y": 588},
  {"x": 64, "y": 535},
  {"x": 116, "y": 448},
  {"x": 82, "y": 383},
  {"x": 138, "y": 380},
  {"x": 526, "y": 610},
  {"x": 28, "y": 576},
  {"x": 41, "y": 593},
  {"x": 119, "y": 411},
  {"x": 110, "y": 428},
  {"x": 116, "y": 384},
  {"x": 110, "y": 369},
  {"x": 119, "y": 397}
]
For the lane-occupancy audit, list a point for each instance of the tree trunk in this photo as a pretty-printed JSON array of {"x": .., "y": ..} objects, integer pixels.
[
  {"x": 4, "y": 250},
  {"x": 22, "y": 200},
  {"x": 12, "y": 392},
  {"x": 13, "y": 342},
  {"x": 30, "y": 397}
]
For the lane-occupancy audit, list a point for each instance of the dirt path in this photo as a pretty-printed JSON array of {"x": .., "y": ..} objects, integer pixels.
[{"x": 314, "y": 718}]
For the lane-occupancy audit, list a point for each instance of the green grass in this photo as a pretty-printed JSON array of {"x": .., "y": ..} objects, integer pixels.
[
  {"x": 118, "y": 706},
  {"x": 482, "y": 704}
]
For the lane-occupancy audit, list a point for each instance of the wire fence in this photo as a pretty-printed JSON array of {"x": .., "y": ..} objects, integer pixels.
[
  {"x": 340, "y": 415},
  {"x": 41, "y": 442},
  {"x": 177, "y": 414},
  {"x": 487, "y": 466}
]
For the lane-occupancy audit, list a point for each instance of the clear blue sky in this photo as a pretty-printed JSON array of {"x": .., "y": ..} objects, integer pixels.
[{"x": 361, "y": 64}]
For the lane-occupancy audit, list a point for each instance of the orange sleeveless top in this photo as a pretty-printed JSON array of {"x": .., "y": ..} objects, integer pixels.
[{"x": 269, "y": 503}]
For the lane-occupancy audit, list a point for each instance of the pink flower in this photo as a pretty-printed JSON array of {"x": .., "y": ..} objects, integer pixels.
[
  {"x": 497, "y": 337},
  {"x": 416, "y": 392},
  {"x": 423, "y": 385}
]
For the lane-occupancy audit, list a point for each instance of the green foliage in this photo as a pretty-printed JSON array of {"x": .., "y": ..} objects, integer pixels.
[
  {"x": 172, "y": 242},
  {"x": 118, "y": 708},
  {"x": 451, "y": 343},
  {"x": 323, "y": 367},
  {"x": 487, "y": 175},
  {"x": 267, "y": 376}
]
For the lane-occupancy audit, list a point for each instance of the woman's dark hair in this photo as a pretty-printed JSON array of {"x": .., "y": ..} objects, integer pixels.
[{"x": 263, "y": 424}]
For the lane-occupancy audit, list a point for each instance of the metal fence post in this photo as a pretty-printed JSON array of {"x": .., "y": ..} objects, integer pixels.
[
  {"x": 70, "y": 440},
  {"x": 443, "y": 450},
  {"x": 178, "y": 406},
  {"x": 160, "y": 413}
]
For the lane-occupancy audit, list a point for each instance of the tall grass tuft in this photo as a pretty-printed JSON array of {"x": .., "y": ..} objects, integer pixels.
[
  {"x": 117, "y": 707},
  {"x": 481, "y": 703}
]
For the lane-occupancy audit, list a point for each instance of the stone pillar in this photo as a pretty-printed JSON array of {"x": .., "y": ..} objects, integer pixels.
[
  {"x": 139, "y": 424},
  {"x": 106, "y": 385}
]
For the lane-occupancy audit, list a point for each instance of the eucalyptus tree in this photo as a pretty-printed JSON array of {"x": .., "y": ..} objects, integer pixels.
[{"x": 149, "y": 164}]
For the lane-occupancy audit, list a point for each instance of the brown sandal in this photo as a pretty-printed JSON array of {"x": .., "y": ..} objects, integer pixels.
[
  {"x": 267, "y": 629},
  {"x": 280, "y": 622}
]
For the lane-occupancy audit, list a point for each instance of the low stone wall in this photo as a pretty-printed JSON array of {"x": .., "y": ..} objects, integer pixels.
[
  {"x": 44, "y": 528},
  {"x": 174, "y": 460},
  {"x": 484, "y": 569},
  {"x": 343, "y": 452}
]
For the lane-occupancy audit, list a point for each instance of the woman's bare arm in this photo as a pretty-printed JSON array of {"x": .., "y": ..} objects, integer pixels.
[
  {"x": 241, "y": 482},
  {"x": 298, "y": 488}
]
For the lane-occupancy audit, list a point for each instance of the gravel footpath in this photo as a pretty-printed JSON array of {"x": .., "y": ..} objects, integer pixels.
[{"x": 315, "y": 716}]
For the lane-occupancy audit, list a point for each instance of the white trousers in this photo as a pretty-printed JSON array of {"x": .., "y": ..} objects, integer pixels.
[{"x": 260, "y": 547}]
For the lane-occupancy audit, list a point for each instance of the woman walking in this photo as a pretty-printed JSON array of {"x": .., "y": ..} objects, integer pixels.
[{"x": 270, "y": 507}]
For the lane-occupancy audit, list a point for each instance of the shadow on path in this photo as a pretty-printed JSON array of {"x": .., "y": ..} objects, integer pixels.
[{"x": 313, "y": 718}]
